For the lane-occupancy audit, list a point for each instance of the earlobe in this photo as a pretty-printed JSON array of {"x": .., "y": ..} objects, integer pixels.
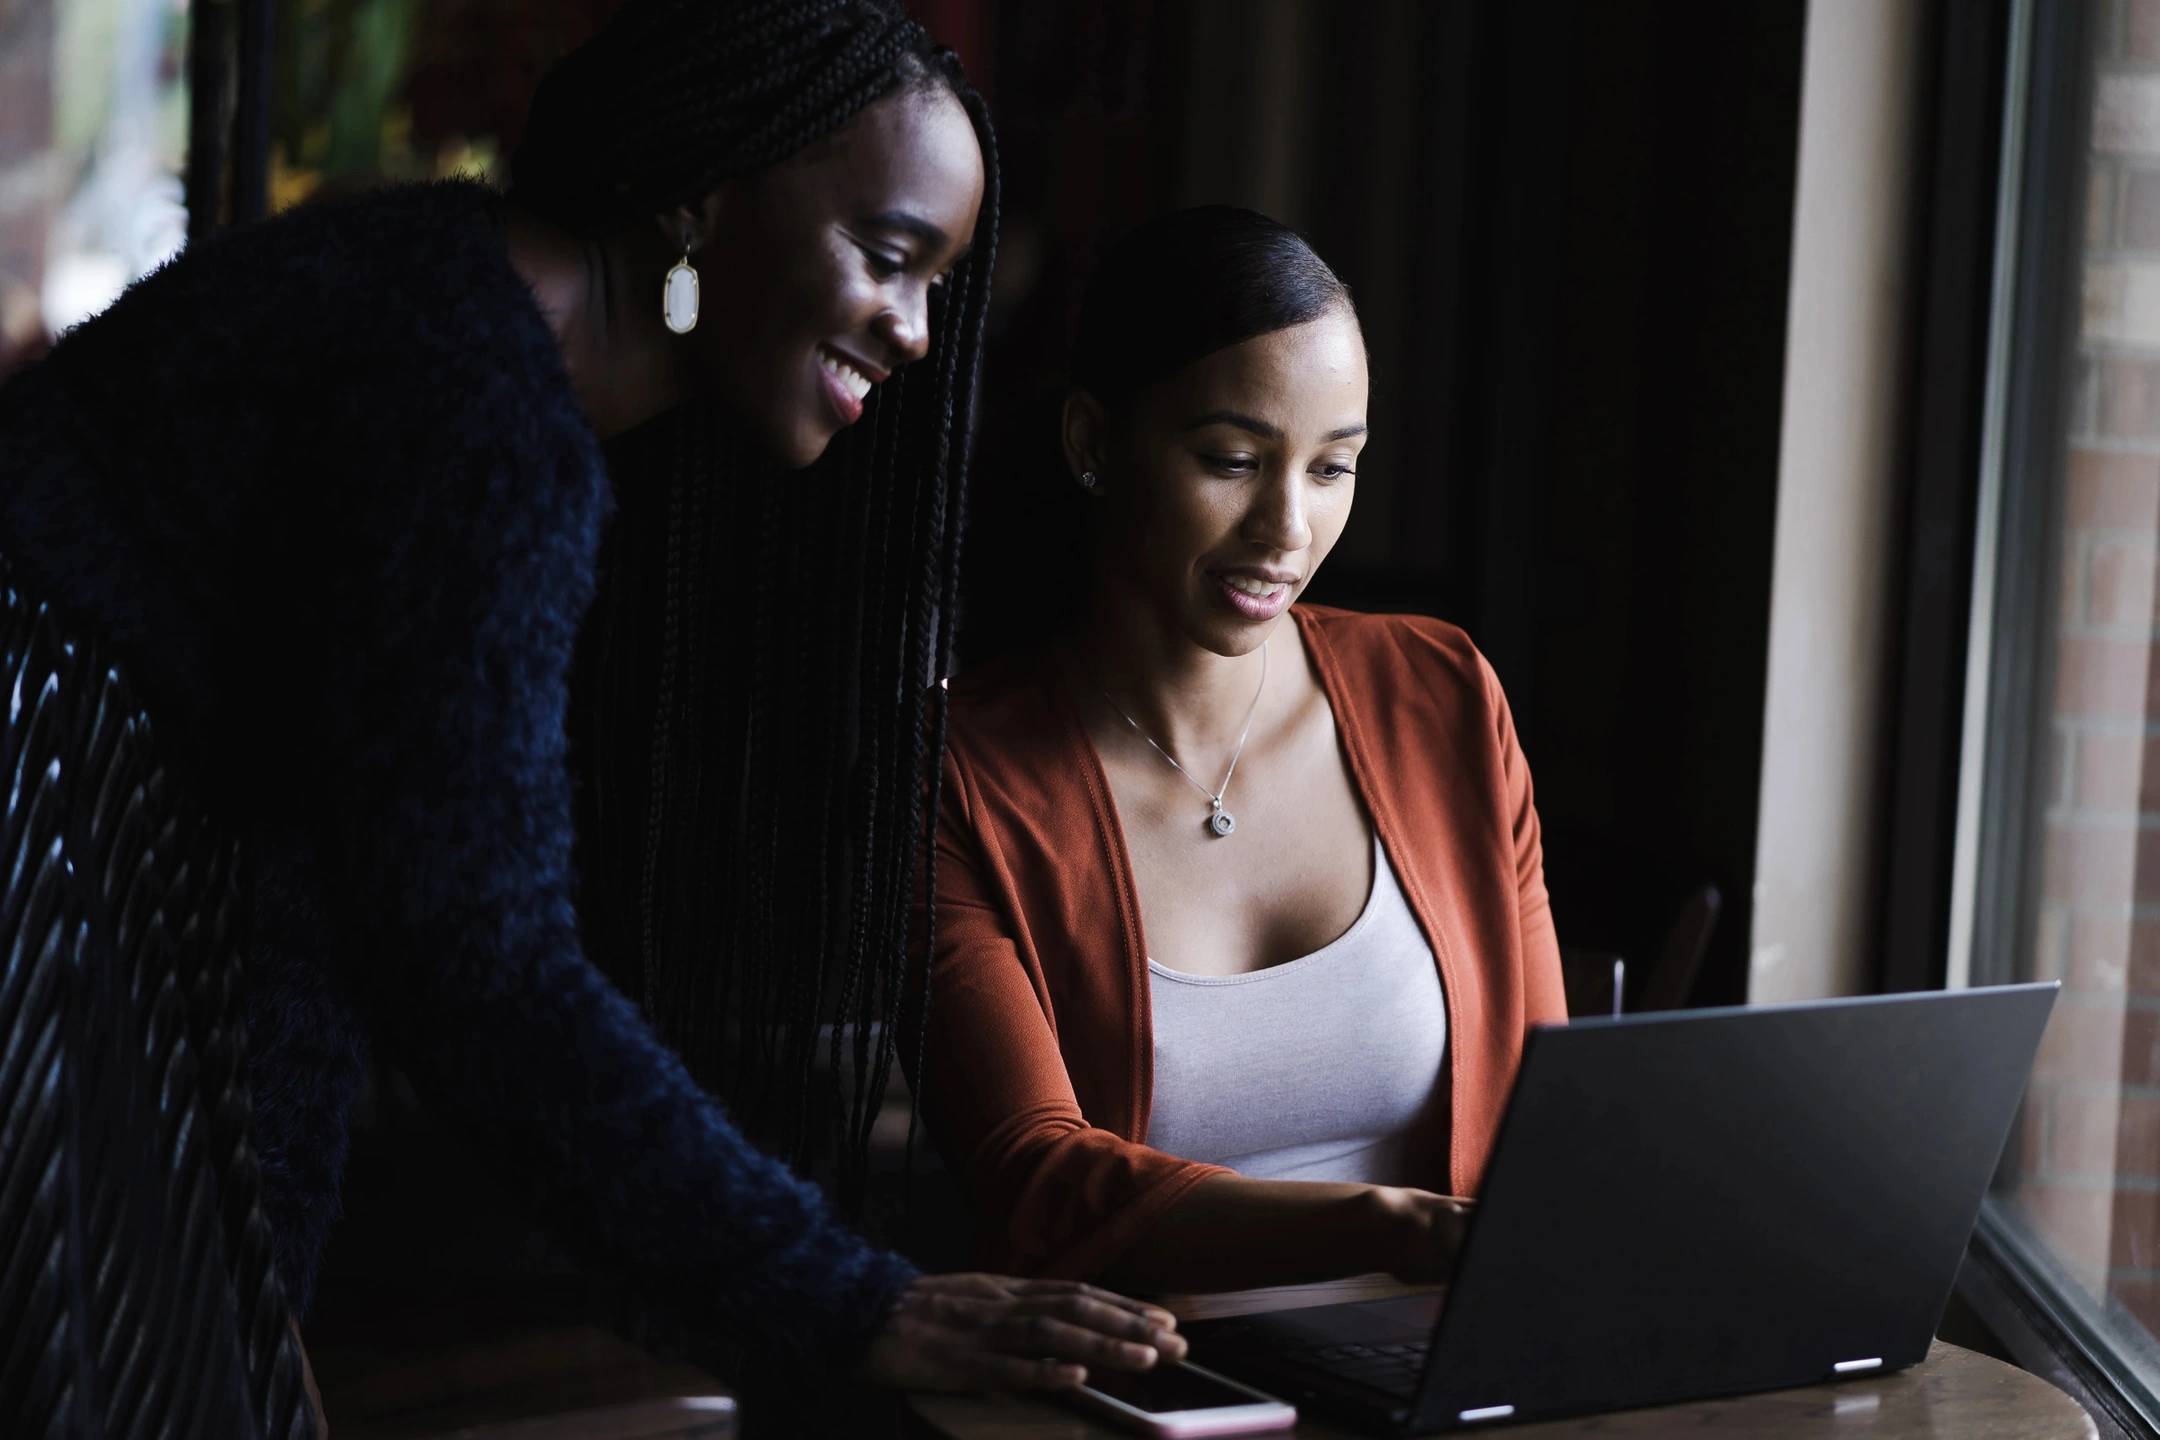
[
  {"x": 680, "y": 229},
  {"x": 710, "y": 213},
  {"x": 691, "y": 226},
  {"x": 1081, "y": 431}
]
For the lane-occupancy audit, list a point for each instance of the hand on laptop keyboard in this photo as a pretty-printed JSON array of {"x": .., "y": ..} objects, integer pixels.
[{"x": 1429, "y": 1231}]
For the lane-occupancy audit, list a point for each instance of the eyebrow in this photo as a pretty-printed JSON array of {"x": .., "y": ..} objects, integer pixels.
[
  {"x": 1264, "y": 430},
  {"x": 914, "y": 225}
]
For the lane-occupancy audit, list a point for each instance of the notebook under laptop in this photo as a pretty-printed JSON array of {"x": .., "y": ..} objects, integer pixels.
[{"x": 1682, "y": 1205}]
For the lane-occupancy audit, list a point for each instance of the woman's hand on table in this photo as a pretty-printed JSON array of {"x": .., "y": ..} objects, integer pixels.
[
  {"x": 994, "y": 1332},
  {"x": 1427, "y": 1232}
]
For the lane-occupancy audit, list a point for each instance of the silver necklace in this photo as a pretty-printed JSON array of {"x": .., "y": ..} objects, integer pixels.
[{"x": 1220, "y": 822}]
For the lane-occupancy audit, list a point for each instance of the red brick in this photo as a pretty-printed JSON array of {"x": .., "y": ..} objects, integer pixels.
[
  {"x": 2080, "y": 1134},
  {"x": 2137, "y": 1140},
  {"x": 2134, "y": 1240},
  {"x": 2104, "y": 676},
  {"x": 2098, "y": 1134},
  {"x": 2144, "y": 958},
  {"x": 2129, "y": 398},
  {"x": 2140, "y": 224},
  {"x": 2027, "y": 1153},
  {"x": 2141, "y": 1048},
  {"x": 2112, "y": 490},
  {"x": 2112, "y": 773},
  {"x": 2141, "y": 30},
  {"x": 2120, "y": 591},
  {"x": 2095, "y": 1227},
  {"x": 2091, "y": 863},
  {"x": 2097, "y": 953},
  {"x": 2075, "y": 1221},
  {"x": 2091, "y": 1042},
  {"x": 2083, "y": 1043}
]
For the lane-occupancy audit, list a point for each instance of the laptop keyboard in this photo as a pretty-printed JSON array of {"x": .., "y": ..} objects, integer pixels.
[{"x": 1394, "y": 1369}]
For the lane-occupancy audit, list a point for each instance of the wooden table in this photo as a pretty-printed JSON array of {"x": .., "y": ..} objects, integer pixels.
[
  {"x": 1954, "y": 1394},
  {"x": 564, "y": 1383}
]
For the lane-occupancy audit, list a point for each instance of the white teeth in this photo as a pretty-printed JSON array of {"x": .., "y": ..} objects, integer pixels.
[
  {"x": 856, "y": 383},
  {"x": 1258, "y": 589}
]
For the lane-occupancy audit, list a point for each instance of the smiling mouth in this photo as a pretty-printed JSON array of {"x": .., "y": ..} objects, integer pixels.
[
  {"x": 1255, "y": 597},
  {"x": 852, "y": 380},
  {"x": 1258, "y": 589}
]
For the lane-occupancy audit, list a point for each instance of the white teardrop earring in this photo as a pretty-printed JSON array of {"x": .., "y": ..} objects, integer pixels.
[
  {"x": 679, "y": 295},
  {"x": 1089, "y": 482}
]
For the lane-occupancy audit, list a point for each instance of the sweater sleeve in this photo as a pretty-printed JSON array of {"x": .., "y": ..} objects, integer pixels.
[
  {"x": 1545, "y": 997},
  {"x": 1053, "y": 1193},
  {"x": 467, "y": 565}
]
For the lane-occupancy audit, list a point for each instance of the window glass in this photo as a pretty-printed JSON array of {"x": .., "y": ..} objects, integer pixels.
[
  {"x": 93, "y": 133},
  {"x": 2078, "y": 1195}
]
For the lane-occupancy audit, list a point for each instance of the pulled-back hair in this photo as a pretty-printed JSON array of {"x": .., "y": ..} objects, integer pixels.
[
  {"x": 1189, "y": 283},
  {"x": 1166, "y": 293},
  {"x": 759, "y": 763}
]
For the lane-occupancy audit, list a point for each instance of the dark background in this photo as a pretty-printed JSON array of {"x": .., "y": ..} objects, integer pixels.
[
  {"x": 1568, "y": 227},
  {"x": 1568, "y": 230}
]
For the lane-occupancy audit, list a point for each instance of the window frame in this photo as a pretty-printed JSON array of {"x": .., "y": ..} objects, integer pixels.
[
  {"x": 1971, "y": 930},
  {"x": 1964, "y": 129},
  {"x": 2031, "y": 347},
  {"x": 226, "y": 177}
]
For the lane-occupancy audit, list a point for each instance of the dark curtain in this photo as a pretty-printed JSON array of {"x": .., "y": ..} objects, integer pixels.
[{"x": 1568, "y": 228}]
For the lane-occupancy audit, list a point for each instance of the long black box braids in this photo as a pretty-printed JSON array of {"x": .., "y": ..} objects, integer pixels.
[{"x": 759, "y": 704}]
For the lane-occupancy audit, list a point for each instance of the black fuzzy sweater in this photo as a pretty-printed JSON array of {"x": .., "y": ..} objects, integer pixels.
[{"x": 324, "y": 486}]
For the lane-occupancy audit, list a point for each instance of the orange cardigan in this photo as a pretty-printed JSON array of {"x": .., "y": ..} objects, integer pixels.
[{"x": 1039, "y": 1047}]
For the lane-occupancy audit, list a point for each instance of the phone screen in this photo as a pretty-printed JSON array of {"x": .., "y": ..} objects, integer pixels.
[{"x": 1169, "y": 1388}]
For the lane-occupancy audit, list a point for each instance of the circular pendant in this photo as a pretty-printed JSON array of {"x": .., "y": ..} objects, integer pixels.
[{"x": 1222, "y": 822}]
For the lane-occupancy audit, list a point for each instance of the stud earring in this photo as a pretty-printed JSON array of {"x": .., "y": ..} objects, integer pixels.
[
  {"x": 1088, "y": 482},
  {"x": 679, "y": 294}
]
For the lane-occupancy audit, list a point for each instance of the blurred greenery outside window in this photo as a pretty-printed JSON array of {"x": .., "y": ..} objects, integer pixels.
[
  {"x": 94, "y": 112},
  {"x": 372, "y": 90},
  {"x": 92, "y": 155}
]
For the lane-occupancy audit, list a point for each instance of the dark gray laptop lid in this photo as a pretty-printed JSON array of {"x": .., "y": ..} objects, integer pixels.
[{"x": 1716, "y": 1201}]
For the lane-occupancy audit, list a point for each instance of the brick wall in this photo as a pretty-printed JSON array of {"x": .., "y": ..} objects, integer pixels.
[
  {"x": 29, "y": 189},
  {"x": 2088, "y": 1173}
]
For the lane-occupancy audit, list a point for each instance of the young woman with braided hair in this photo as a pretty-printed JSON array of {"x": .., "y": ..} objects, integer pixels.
[{"x": 333, "y": 490}]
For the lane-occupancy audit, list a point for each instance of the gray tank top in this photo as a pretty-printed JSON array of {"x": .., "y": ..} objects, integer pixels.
[{"x": 1327, "y": 1067}]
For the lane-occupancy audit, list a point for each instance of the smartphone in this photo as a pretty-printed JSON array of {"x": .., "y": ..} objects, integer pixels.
[{"x": 1180, "y": 1400}]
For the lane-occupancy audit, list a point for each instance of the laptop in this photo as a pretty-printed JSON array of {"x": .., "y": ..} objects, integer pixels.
[{"x": 1707, "y": 1202}]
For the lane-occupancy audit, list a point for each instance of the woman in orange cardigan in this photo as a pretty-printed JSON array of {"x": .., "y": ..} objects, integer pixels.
[{"x": 1240, "y": 914}]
